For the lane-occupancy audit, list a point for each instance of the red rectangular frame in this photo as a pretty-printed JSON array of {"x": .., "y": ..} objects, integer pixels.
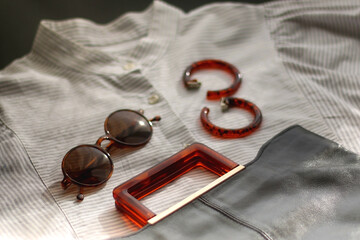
[{"x": 128, "y": 194}]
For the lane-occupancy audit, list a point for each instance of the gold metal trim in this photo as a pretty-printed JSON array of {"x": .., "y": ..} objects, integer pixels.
[{"x": 195, "y": 195}]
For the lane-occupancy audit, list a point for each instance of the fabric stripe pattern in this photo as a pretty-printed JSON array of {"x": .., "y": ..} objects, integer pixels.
[
  {"x": 78, "y": 72},
  {"x": 320, "y": 48}
]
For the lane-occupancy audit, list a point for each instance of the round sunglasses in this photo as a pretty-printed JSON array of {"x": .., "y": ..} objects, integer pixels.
[{"x": 90, "y": 165}]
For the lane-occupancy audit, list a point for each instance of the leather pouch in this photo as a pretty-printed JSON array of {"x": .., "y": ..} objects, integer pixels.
[{"x": 300, "y": 186}]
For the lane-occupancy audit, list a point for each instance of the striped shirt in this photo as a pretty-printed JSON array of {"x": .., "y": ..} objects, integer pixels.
[{"x": 300, "y": 65}]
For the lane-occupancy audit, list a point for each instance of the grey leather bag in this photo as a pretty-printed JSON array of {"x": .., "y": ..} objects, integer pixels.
[{"x": 300, "y": 186}]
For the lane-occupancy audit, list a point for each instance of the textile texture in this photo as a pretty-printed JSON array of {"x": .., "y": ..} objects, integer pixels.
[{"x": 294, "y": 68}]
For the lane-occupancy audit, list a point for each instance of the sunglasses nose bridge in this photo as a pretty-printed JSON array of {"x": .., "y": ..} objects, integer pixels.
[{"x": 105, "y": 137}]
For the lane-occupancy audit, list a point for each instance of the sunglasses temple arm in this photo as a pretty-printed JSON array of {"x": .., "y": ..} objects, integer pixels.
[
  {"x": 155, "y": 119},
  {"x": 65, "y": 183},
  {"x": 80, "y": 196}
]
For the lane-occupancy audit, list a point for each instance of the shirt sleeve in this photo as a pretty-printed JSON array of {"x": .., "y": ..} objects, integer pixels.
[{"x": 318, "y": 43}]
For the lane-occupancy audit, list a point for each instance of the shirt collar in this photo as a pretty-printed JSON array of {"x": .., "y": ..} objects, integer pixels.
[{"x": 81, "y": 44}]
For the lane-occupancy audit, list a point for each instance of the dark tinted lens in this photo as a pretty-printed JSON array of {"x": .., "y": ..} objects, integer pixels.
[
  {"x": 129, "y": 127},
  {"x": 87, "y": 165}
]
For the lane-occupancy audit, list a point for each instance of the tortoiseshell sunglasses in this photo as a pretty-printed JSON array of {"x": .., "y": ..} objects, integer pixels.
[{"x": 90, "y": 165}]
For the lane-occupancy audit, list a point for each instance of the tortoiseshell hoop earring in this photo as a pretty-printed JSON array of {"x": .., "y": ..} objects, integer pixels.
[
  {"x": 213, "y": 64},
  {"x": 232, "y": 133}
]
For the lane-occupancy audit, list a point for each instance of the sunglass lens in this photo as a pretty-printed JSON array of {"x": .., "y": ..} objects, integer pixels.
[
  {"x": 129, "y": 127},
  {"x": 87, "y": 165}
]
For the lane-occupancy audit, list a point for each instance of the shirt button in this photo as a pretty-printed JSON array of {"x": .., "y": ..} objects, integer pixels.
[
  {"x": 129, "y": 66},
  {"x": 153, "y": 99}
]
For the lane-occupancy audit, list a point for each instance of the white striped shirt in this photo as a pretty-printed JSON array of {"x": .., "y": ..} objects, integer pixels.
[{"x": 300, "y": 65}]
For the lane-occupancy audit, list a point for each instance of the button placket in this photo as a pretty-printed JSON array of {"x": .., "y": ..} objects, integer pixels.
[
  {"x": 129, "y": 66},
  {"x": 153, "y": 99}
]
